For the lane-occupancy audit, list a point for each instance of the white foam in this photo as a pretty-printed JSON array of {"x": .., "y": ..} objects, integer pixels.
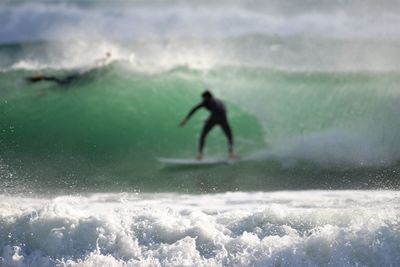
[{"x": 307, "y": 228}]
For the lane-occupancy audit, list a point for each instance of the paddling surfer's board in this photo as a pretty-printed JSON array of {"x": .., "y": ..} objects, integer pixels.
[{"x": 194, "y": 162}]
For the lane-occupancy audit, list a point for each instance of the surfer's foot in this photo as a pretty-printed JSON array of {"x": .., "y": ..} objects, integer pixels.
[
  {"x": 199, "y": 156},
  {"x": 233, "y": 156}
]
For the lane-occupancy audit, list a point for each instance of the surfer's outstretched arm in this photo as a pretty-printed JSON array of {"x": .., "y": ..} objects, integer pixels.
[{"x": 191, "y": 112}]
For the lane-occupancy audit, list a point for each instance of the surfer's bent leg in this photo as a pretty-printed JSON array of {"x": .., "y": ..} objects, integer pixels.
[
  {"x": 228, "y": 133},
  {"x": 206, "y": 129}
]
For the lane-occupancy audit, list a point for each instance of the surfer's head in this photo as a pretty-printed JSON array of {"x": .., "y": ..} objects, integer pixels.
[{"x": 206, "y": 94}]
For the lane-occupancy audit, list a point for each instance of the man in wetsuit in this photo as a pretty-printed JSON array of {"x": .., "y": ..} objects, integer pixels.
[
  {"x": 66, "y": 80},
  {"x": 217, "y": 117},
  {"x": 61, "y": 81}
]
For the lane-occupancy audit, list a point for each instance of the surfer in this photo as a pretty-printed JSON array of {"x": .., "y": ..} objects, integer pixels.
[
  {"x": 217, "y": 117},
  {"x": 103, "y": 61},
  {"x": 60, "y": 80},
  {"x": 69, "y": 78}
]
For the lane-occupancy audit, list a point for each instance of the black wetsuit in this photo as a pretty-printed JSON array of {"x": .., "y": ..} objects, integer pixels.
[
  {"x": 217, "y": 117},
  {"x": 61, "y": 81}
]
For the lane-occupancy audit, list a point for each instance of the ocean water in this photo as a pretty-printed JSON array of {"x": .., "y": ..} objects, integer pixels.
[{"x": 312, "y": 92}]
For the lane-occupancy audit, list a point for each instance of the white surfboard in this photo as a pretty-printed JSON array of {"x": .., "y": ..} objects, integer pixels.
[{"x": 194, "y": 162}]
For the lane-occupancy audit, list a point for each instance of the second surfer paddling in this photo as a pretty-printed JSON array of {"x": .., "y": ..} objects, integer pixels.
[{"x": 217, "y": 117}]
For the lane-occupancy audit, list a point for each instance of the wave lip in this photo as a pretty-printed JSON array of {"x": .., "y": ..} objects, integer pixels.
[{"x": 306, "y": 228}]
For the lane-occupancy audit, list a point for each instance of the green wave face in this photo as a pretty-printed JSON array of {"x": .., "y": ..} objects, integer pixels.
[
  {"x": 106, "y": 128},
  {"x": 111, "y": 124}
]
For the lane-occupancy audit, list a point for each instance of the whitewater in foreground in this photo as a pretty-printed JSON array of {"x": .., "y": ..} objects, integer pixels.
[{"x": 304, "y": 228}]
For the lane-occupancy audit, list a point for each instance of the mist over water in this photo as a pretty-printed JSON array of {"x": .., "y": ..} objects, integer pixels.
[
  {"x": 140, "y": 19},
  {"x": 312, "y": 92},
  {"x": 307, "y": 35}
]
